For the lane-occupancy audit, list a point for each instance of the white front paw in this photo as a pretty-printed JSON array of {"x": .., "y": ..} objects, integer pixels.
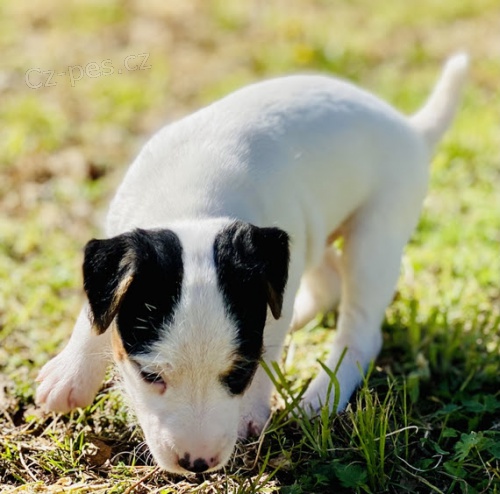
[
  {"x": 313, "y": 400},
  {"x": 68, "y": 381},
  {"x": 322, "y": 392}
]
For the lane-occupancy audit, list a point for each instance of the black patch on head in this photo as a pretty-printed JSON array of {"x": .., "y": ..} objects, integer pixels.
[
  {"x": 252, "y": 271},
  {"x": 136, "y": 277}
]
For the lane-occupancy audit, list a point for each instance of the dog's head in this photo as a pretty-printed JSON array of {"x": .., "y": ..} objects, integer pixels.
[{"x": 187, "y": 308}]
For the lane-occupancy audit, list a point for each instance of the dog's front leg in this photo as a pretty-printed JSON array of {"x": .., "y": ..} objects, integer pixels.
[
  {"x": 256, "y": 408},
  {"x": 72, "y": 378}
]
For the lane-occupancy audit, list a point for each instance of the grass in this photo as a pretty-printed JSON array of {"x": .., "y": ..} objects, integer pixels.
[{"x": 427, "y": 418}]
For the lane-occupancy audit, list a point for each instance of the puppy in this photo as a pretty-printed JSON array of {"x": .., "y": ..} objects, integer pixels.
[{"x": 223, "y": 218}]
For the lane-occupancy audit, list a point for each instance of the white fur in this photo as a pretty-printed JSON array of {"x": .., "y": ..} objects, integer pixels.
[{"x": 312, "y": 155}]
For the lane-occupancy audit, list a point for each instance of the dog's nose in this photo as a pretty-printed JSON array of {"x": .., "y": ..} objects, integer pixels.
[{"x": 197, "y": 466}]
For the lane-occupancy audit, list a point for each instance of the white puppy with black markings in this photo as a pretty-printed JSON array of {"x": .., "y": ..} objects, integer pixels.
[{"x": 218, "y": 222}]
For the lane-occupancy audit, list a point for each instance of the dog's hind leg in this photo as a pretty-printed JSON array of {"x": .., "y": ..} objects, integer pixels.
[
  {"x": 374, "y": 239},
  {"x": 319, "y": 290},
  {"x": 72, "y": 378}
]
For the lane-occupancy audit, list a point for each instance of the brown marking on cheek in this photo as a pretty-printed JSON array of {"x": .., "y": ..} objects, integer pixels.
[{"x": 118, "y": 350}]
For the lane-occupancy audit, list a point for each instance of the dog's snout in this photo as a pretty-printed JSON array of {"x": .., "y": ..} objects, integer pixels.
[{"x": 197, "y": 466}]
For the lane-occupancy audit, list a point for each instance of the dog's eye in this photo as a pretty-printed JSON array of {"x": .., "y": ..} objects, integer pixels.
[{"x": 153, "y": 378}]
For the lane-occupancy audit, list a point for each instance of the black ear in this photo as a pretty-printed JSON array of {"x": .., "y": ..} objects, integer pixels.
[
  {"x": 108, "y": 270},
  {"x": 273, "y": 252},
  {"x": 261, "y": 252}
]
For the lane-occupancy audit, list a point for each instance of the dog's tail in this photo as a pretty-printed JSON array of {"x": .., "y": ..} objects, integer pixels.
[{"x": 435, "y": 117}]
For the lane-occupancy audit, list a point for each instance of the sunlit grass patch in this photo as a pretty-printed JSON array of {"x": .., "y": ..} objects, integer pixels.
[{"x": 33, "y": 127}]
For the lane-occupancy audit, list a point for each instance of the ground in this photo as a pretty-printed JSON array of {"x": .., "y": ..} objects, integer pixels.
[{"x": 82, "y": 86}]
